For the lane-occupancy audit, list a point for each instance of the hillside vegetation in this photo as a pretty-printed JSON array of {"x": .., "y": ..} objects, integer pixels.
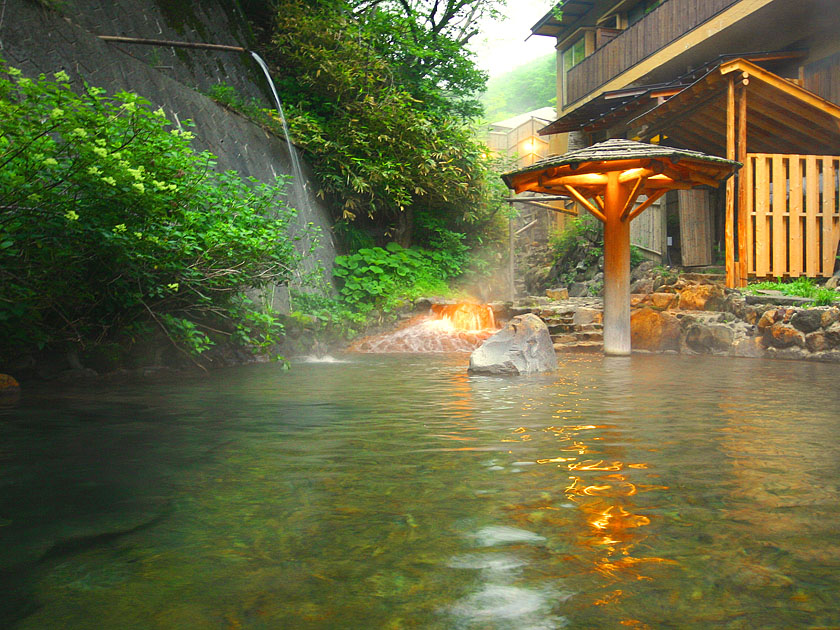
[{"x": 528, "y": 87}]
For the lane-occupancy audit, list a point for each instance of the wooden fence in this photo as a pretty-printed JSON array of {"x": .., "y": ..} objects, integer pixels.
[
  {"x": 696, "y": 227},
  {"x": 647, "y": 231},
  {"x": 792, "y": 214}
]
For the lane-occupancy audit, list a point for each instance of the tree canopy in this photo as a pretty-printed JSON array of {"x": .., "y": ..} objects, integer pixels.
[
  {"x": 379, "y": 101},
  {"x": 426, "y": 44}
]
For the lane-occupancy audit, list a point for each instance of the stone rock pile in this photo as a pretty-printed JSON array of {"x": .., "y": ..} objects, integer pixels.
[{"x": 694, "y": 313}]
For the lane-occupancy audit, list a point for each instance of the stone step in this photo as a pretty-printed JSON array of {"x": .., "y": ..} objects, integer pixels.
[
  {"x": 573, "y": 337},
  {"x": 563, "y": 318},
  {"x": 558, "y": 329},
  {"x": 583, "y": 347}
]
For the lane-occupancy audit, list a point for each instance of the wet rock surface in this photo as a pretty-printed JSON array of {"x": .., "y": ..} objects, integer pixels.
[
  {"x": 652, "y": 330},
  {"x": 523, "y": 346},
  {"x": 694, "y": 313}
]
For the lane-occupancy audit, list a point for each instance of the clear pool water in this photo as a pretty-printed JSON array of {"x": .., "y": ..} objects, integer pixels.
[{"x": 396, "y": 491}]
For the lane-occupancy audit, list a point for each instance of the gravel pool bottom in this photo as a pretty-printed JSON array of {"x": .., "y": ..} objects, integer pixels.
[{"x": 396, "y": 491}]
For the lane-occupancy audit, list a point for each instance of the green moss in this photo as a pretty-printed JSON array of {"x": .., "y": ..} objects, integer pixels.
[
  {"x": 179, "y": 15},
  {"x": 185, "y": 56}
]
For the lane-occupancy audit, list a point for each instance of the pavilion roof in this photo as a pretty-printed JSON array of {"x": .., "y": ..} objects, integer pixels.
[{"x": 615, "y": 150}]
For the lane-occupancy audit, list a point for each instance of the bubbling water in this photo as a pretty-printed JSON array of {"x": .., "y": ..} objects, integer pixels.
[{"x": 458, "y": 327}]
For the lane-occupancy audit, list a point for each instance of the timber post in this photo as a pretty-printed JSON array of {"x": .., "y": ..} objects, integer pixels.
[{"x": 616, "y": 270}]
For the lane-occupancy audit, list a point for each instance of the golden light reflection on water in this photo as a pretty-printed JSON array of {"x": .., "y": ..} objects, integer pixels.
[{"x": 604, "y": 488}]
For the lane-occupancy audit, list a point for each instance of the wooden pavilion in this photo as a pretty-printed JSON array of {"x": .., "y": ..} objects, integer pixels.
[{"x": 607, "y": 179}]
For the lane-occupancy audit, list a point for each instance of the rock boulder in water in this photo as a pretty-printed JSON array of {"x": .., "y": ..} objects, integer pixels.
[{"x": 522, "y": 347}]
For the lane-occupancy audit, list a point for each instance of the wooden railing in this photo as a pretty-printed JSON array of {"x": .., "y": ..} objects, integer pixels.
[
  {"x": 792, "y": 213},
  {"x": 666, "y": 23}
]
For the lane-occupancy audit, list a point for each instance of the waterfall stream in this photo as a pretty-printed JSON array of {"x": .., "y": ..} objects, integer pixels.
[
  {"x": 297, "y": 172},
  {"x": 301, "y": 195}
]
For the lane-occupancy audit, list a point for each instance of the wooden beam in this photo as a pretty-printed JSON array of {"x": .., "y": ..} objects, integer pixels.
[
  {"x": 787, "y": 116},
  {"x": 765, "y": 123},
  {"x": 117, "y": 39},
  {"x": 742, "y": 217},
  {"x": 616, "y": 271},
  {"x": 710, "y": 125},
  {"x": 604, "y": 166},
  {"x": 692, "y": 140},
  {"x": 585, "y": 202},
  {"x": 637, "y": 173},
  {"x": 519, "y": 188},
  {"x": 522, "y": 229},
  {"x": 540, "y": 198},
  {"x": 795, "y": 216},
  {"x": 712, "y": 169},
  {"x": 652, "y": 197},
  {"x": 547, "y": 206},
  {"x": 756, "y": 72},
  {"x": 588, "y": 179},
  {"x": 732, "y": 280},
  {"x": 658, "y": 182},
  {"x": 631, "y": 198},
  {"x": 673, "y": 104},
  {"x": 678, "y": 174},
  {"x": 812, "y": 216},
  {"x": 829, "y": 216}
]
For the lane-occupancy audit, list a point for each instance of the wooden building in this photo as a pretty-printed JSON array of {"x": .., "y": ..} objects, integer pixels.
[
  {"x": 518, "y": 137},
  {"x": 697, "y": 74}
]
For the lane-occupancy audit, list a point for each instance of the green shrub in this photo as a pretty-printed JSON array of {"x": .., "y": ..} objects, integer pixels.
[
  {"x": 825, "y": 297},
  {"x": 800, "y": 287},
  {"x": 383, "y": 278},
  {"x": 636, "y": 257},
  {"x": 582, "y": 233},
  {"x": 111, "y": 225}
]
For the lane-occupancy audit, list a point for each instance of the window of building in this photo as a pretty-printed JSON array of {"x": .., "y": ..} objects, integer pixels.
[{"x": 572, "y": 56}]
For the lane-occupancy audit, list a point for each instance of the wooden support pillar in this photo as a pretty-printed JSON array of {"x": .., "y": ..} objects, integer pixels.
[
  {"x": 732, "y": 280},
  {"x": 616, "y": 270},
  {"x": 511, "y": 261},
  {"x": 743, "y": 214}
]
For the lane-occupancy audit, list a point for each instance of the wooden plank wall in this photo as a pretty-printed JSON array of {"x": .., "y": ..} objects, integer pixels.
[
  {"x": 823, "y": 78},
  {"x": 648, "y": 230},
  {"x": 696, "y": 227},
  {"x": 793, "y": 214},
  {"x": 660, "y": 27}
]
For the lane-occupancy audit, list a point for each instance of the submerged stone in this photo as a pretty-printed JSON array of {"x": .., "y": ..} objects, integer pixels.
[
  {"x": 9, "y": 386},
  {"x": 522, "y": 347}
]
